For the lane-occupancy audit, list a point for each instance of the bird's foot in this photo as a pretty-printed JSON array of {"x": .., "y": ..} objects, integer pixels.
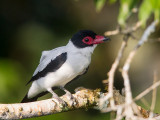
[
  {"x": 59, "y": 101},
  {"x": 71, "y": 98}
]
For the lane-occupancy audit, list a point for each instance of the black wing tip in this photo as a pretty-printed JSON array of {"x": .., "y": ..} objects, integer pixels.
[
  {"x": 52, "y": 66},
  {"x": 31, "y": 80},
  {"x": 26, "y": 99}
]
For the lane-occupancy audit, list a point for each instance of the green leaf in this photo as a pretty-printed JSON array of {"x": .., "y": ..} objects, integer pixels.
[
  {"x": 156, "y": 8},
  {"x": 125, "y": 10},
  {"x": 155, "y": 4},
  {"x": 99, "y": 4},
  {"x": 145, "y": 11},
  {"x": 157, "y": 14}
]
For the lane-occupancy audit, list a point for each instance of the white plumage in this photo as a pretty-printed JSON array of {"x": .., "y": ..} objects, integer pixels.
[{"x": 77, "y": 61}]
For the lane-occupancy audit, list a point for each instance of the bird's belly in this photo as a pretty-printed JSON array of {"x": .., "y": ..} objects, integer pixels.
[
  {"x": 60, "y": 77},
  {"x": 68, "y": 71}
]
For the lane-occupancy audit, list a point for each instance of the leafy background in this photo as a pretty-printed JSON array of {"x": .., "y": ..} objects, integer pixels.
[{"x": 30, "y": 26}]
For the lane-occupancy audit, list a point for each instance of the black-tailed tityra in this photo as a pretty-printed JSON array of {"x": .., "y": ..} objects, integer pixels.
[{"x": 61, "y": 65}]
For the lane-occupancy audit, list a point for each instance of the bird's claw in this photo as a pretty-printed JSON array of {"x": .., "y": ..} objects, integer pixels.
[
  {"x": 72, "y": 99},
  {"x": 60, "y": 101}
]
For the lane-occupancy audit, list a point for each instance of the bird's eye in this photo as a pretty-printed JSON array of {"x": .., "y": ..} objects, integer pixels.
[{"x": 86, "y": 39}]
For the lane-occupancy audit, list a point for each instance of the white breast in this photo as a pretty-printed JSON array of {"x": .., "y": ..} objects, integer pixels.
[{"x": 69, "y": 70}]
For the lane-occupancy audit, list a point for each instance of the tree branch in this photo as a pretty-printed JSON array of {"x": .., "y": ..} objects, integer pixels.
[
  {"x": 111, "y": 74},
  {"x": 129, "y": 30},
  {"x": 129, "y": 109},
  {"x": 128, "y": 99},
  {"x": 84, "y": 98}
]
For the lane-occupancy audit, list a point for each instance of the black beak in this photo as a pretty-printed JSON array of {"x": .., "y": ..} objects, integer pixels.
[{"x": 106, "y": 39}]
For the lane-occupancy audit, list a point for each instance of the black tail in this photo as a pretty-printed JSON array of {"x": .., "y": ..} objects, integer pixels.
[{"x": 26, "y": 99}]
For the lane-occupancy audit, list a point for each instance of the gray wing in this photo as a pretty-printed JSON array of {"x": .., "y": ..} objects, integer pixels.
[
  {"x": 47, "y": 56},
  {"x": 44, "y": 55},
  {"x": 50, "y": 61}
]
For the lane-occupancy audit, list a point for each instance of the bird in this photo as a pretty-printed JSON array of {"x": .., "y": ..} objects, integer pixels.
[{"x": 60, "y": 66}]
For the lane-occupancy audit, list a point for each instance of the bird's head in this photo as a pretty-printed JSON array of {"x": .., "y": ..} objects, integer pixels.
[{"x": 87, "y": 38}]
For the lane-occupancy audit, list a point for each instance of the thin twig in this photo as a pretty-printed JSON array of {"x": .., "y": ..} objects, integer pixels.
[
  {"x": 129, "y": 107},
  {"x": 111, "y": 74},
  {"x": 114, "y": 32},
  {"x": 155, "y": 85},
  {"x": 144, "y": 101},
  {"x": 153, "y": 96},
  {"x": 154, "y": 92},
  {"x": 125, "y": 31},
  {"x": 128, "y": 94},
  {"x": 153, "y": 40}
]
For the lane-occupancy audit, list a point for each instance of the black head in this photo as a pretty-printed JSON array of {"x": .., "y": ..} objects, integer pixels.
[{"x": 87, "y": 38}]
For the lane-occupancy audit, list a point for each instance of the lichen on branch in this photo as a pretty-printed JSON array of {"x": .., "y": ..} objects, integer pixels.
[{"x": 84, "y": 98}]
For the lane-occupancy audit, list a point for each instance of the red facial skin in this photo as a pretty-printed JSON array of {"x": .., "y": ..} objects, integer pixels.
[{"x": 89, "y": 40}]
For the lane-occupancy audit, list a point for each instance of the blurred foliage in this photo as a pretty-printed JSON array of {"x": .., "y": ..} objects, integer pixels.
[
  {"x": 146, "y": 8},
  {"x": 99, "y": 4},
  {"x": 125, "y": 11},
  {"x": 10, "y": 78}
]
